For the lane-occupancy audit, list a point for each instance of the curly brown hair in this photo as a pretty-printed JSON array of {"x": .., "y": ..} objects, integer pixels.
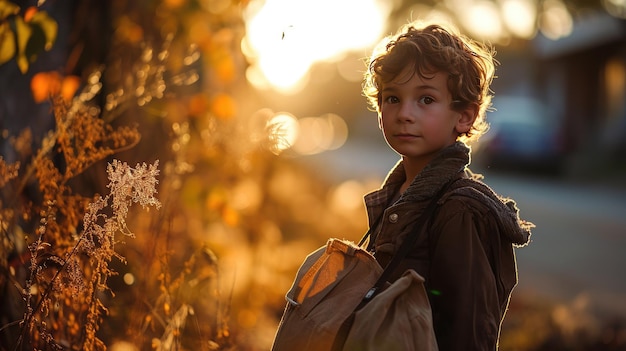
[{"x": 470, "y": 66}]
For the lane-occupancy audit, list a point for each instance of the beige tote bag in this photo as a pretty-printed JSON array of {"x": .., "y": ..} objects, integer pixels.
[{"x": 330, "y": 285}]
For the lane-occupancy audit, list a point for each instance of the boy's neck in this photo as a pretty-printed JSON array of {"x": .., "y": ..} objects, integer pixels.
[{"x": 412, "y": 168}]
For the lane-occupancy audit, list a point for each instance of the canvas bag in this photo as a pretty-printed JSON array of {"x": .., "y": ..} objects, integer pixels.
[
  {"x": 328, "y": 287},
  {"x": 335, "y": 302},
  {"x": 398, "y": 319}
]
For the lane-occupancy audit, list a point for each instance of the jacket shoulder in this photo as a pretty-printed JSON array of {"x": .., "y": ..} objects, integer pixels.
[{"x": 470, "y": 194}]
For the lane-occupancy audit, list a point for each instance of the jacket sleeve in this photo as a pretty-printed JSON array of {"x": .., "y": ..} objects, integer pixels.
[{"x": 463, "y": 285}]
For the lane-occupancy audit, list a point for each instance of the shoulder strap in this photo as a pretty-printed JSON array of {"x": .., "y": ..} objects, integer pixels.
[
  {"x": 405, "y": 248},
  {"x": 368, "y": 234}
]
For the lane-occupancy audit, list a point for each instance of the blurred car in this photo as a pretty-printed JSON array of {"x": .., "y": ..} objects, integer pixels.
[{"x": 523, "y": 136}]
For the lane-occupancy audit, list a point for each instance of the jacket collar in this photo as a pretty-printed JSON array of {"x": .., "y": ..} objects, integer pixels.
[
  {"x": 446, "y": 165},
  {"x": 451, "y": 162}
]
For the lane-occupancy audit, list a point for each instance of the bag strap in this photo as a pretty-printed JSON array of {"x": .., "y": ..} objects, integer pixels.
[
  {"x": 369, "y": 231},
  {"x": 406, "y": 246}
]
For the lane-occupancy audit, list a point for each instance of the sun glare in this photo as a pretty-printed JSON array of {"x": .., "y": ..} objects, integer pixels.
[
  {"x": 520, "y": 17},
  {"x": 328, "y": 132},
  {"x": 304, "y": 136},
  {"x": 616, "y": 8},
  {"x": 556, "y": 21},
  {"x": 286, "y": 37},
  {"x": 483, "y": 20},
  {"x": 284, "y": 131}
]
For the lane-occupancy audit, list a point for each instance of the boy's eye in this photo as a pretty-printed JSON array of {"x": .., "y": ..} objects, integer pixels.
[
  {"x": 392, "y": 99},
  {"x": 426, "y": 100}
]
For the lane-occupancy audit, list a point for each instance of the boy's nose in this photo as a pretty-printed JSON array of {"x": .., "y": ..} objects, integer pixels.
[{"x": 406, "y": 113}]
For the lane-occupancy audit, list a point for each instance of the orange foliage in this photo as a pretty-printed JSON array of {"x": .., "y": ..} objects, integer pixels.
[
  {"x": 129, "y": 31},
  {"x": 174, "y": 4},
  {"x": 223, "y": 106},
  {"x": 69, "y": 86},
  {"x": 29, "y": 13},
  {"x": 226, "y": 70},
  {"x": 44, "y": 85},
  {"x": 198, "y": 105}
]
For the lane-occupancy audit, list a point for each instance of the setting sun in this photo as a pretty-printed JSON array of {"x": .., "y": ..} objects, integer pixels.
[{"x": 285, "y": 38}]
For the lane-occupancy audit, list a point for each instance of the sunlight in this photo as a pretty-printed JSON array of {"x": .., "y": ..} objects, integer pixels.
[
  {"x": 520, "y": 17},
  {"x": 328, "y": 132},
  {"x": 284, "y": 131},
  {"x": 438, "y": 14},
  {"x": 556, "y": 21},
  {"x": 129, "y": 279},
  {"x": 347, "y": 196},
  {"x": 286, "y": 37},
  {"x": 616, "y": 8},
  {"x": 483, "y": 20}
]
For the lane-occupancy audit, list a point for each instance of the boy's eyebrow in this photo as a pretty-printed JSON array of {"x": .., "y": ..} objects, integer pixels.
[{"x": 419, "y": 87}]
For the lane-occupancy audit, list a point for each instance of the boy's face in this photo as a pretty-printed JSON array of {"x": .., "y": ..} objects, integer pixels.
[{"x": 416, "y": 116}]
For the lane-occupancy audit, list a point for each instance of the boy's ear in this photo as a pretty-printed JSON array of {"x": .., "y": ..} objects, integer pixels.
[{"x": 466, "y": 119}]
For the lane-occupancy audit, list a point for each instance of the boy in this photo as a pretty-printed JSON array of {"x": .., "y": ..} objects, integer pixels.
[{"x": 430, "y": 88}]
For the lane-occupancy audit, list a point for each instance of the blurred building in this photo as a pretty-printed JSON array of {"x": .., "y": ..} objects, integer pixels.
[
  {"x": 582, "y": 77},
  {"x": 579, "y": 82}
]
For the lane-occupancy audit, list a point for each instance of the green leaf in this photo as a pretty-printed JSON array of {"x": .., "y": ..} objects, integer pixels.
[
  {"x": 48, "y": 26},
  {"x": 7, "y": 43},
  {"x": 7, "y": 9}
]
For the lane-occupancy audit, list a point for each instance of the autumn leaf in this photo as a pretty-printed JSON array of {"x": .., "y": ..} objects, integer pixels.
[
  {"x": 24, "y": 33},
  {"x": 69, "y": 85},
  {"x": 29, "y": 13},
  {"x": 197, "y": 105},
  {"x": 35, "y": 32},
  {"x": 48, "y": 26},
  {"x": 7, "y": 43},
  {"x": 223, "y": 106},
  {"x": 7, "y": 9},
  {"x": 226, "y": 69},
  {"x": 45, "y": 84}
]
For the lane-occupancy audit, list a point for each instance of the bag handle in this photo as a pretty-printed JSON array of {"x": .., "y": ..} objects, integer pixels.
[{"x": 403, "y": 251}]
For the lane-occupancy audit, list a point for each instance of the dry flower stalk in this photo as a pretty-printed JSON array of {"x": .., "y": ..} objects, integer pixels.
[{"x": 82, "y": 273}]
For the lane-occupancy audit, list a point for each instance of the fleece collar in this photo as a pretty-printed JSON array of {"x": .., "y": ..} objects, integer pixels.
[{"x": 450, "y": 163}]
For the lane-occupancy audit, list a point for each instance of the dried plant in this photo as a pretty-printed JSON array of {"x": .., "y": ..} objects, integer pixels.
[
  {"x": 69, "y": 255},
  {"x": 81, "y": 274},
  {"x": 222, "y": 189},
  {"x": 177, "y": 304},
  {"x": 69, "y": 252}
]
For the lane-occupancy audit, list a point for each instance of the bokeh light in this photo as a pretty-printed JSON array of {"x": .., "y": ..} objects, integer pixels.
[
  {"x": 556, "y": 21},
  {"x": 616, "y": 8},
  {"x": 318, "y": 134},
  {"x": 283, "y": 128},
  {"x": 286, "y": 37},
  {"x": 129, "y": 279},
  {"x": 520, "y": 17},
  {"x": 307, "y": 135},
  {"x": 482, "y": 19},
  {"x": 347, "y": 196}
]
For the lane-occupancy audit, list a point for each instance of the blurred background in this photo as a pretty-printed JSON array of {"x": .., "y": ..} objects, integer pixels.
[{"x": 266, "y": 145}]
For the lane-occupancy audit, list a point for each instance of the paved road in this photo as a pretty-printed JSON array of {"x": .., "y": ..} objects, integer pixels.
[{"x": 578, "y": 248}]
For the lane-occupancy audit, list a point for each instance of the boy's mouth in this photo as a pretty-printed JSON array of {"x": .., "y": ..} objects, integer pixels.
[{"x": 406, "y": 135}]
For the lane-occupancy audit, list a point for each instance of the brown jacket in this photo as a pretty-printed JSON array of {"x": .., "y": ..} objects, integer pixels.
[{"x": 466, "y": 252}]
